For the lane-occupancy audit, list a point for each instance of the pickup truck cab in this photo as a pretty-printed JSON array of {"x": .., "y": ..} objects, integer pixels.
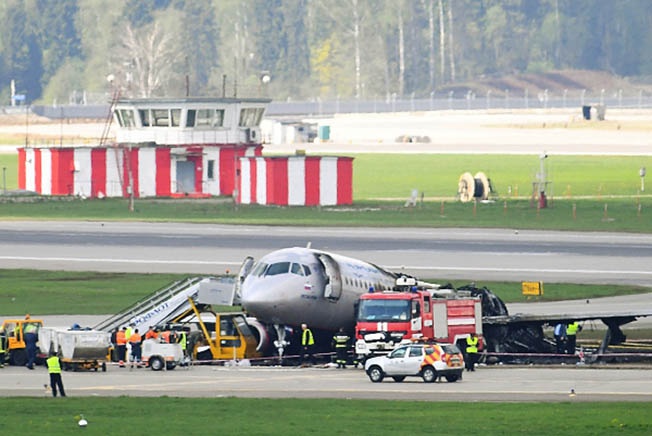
[{"x": 428, "y": 361}]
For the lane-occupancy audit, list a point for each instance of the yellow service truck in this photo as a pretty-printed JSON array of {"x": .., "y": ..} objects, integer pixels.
[{"x": 13, "y": 331}]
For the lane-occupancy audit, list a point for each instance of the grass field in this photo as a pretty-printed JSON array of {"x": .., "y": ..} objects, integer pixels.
[
  {"x": 93, "y": 293},
  {"x": 174, "y": 416}
]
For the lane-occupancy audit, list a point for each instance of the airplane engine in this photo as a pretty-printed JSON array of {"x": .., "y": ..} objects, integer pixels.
[{"x": 261, "y": 334}]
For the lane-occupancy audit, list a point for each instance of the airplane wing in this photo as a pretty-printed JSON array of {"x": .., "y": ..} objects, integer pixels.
[{"x": 524, "y": 332}]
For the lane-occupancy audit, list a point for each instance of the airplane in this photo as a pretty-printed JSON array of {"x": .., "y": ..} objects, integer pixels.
[{"x": 297, "y": 285}]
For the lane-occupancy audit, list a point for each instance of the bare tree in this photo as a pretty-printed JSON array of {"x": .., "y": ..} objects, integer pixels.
[
  {"x": 442, "y": 42},
  {"x": 148, "y": 60},
  {"x": 401, "y": 50},
  {"x": 451, "y": 44},
  {"x": 431, "y": 42}
]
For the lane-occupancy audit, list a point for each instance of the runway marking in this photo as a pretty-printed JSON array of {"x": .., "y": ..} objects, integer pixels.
[
  {"x": 534, "y": 270},
  {"x": 138, "y": 261},
  {"x": 390, "y": 267}
]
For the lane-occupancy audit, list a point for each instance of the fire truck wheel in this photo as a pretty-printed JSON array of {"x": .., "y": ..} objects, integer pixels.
[
  {"x": 398, "y": 378},
  {"x": 429, "y": 374},
  {"x": 452, "y": 378},
  {"x": 156, "y": 363},
  {"x": 376, "y": 374}
]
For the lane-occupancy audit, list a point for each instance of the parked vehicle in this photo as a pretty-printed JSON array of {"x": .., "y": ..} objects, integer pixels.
[{"x": 428, "y": 361}]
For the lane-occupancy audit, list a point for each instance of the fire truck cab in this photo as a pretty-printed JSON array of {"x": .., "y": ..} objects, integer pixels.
[{"x": 385, "y": 319}]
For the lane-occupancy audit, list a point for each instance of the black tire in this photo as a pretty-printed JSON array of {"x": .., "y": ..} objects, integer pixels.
[
  {"x": 452, "y": 378},
  {"x": 398, "y": 378},
  {"x": 156, "y": 363},
  {"x": 103, "y": 366},
  {"x": 170, "y": 366},
  {"x": 429, "y": 374},
  {"x": 18, "y": 357},
  {"x": 376, "y": 374}
]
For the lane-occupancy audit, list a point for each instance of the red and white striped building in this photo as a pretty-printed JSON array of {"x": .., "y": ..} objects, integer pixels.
[
  {"x": 296, "y": 180},
  {"x": 187, "y": 147}
]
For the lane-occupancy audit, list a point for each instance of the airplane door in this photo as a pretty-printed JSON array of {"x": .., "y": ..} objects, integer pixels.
[
  {"x": 245, "y": 269},
  {"x": 333, "y": 288}
]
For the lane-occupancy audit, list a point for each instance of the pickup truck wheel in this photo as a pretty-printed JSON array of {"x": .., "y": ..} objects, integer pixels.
[
  {"x": 156, "y": 363},
  {"x": 376, "y": 374},
  {"x": 429, "y": 374}
]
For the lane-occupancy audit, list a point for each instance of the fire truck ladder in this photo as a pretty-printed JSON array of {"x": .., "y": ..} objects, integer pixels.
[{"x": 178, "y": 292}]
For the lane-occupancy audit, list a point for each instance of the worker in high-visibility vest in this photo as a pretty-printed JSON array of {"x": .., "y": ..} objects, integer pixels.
[
  {"x": 54, "y": 368},
  {"x": 3, "y": 340},
  {"x": 183, "y": 340},
  {"x": 341, "y": 345},
  {"x": 30, "y": 334},
  {"x": 571, "y": 336},
  {"x": 121, "y": 346},
  {"x": 471, "y": 352},
  {"x": 151, "y": 333},
  {"x": 307, "y": 344},
  {"x": 136, "y": 350}
]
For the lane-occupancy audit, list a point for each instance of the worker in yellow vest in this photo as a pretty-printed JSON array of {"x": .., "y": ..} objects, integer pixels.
[
  {"x": 54, "y": 368},
  {"x": 3, "y": 340},
  {"x": 307, "y": 344},
  {"x": 571, "y": 336},
  {"x": 471, "y": 352}
]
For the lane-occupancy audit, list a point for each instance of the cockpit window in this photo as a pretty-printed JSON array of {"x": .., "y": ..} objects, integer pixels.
[
  {"x": 296, "y": 269},
  {"x": 306, "y": 268},
  {"x": 278, "y": 268},
  {"x": 259, "y": 269}
]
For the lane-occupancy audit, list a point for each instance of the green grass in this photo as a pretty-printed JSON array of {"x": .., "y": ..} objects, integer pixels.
[
  {"x": 41, "y": 292},
  {"x": 589, "y": 215},
  {"x": 71, "y": 293},
  {"x": 173, "y": 416},
  {"x": 437, "y": 175}
]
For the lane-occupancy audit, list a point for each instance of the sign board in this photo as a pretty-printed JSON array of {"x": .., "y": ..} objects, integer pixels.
[{"x": 532, "y": 288}]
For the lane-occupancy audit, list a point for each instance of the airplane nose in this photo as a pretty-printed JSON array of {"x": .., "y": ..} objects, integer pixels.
[{"x": 257, "y": 301}]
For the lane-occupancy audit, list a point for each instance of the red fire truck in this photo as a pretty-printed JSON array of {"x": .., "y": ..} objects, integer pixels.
[{"x": 386, "y": 318}]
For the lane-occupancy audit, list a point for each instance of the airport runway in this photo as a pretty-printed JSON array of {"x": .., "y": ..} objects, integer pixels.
[
  {"x": 445, "y": 254},
  {"x": 486, "y": 384}
]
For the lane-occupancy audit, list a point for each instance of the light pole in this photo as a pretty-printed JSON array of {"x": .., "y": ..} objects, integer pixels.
[{"x": 641, "y": 173}]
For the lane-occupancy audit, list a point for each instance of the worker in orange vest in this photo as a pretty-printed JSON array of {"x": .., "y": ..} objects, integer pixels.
[
  {"x": 151, "y": 333},
  {"x": 136, "y": 351},
  {"x": 121, "y": 346},
  {"x": 165, "y": 336}
]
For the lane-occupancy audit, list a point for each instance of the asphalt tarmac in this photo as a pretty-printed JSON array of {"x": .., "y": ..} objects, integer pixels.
[{"x": 490, "y": 383}]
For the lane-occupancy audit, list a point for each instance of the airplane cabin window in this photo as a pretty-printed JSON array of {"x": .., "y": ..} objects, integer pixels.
[{"x": 278, "y": 268}]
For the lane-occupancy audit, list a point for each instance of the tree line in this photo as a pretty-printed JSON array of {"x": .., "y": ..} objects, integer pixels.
[{"x": 62, "y": 51}]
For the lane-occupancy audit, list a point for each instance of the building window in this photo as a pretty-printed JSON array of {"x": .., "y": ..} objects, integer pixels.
[
  {"x": 145, "y": 117},
  {"x": 205, "y": 118},
  {"x": 160, "y": 117},
  {"x": 210, "y": 170},
  {"x": 175, "y": 116},
  {"x": 250, "y": 117},
  {"x": 126, "y": 118}
]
